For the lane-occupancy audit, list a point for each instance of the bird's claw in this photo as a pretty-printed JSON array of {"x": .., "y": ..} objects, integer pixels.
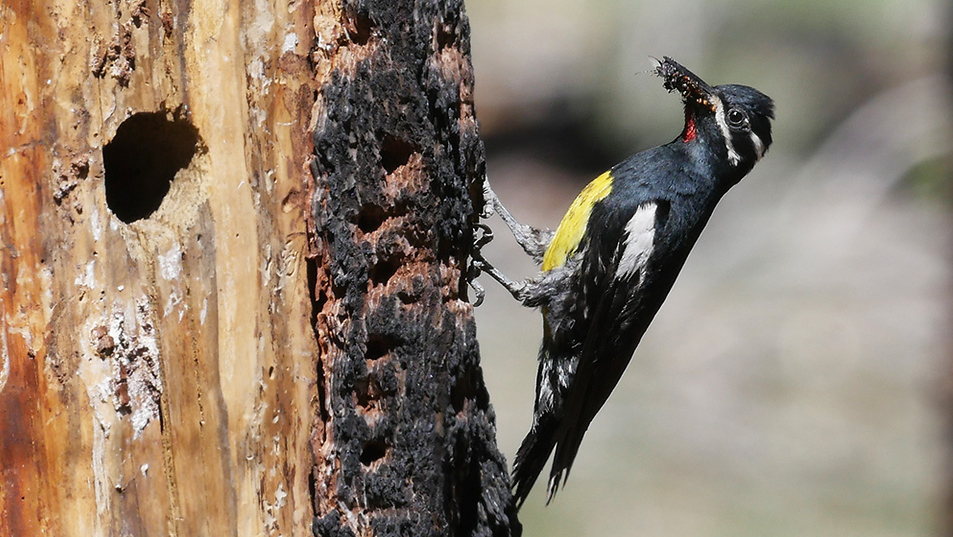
[
  {"x": 483, "y": 236},
  {"x": 477, "y": 265}
]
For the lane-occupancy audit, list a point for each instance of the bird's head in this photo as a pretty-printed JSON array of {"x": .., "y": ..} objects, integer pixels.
[{"x": 740, "y": 116}]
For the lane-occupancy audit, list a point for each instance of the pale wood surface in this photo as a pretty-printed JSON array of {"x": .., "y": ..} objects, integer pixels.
[{"x": 156, "y": 377}]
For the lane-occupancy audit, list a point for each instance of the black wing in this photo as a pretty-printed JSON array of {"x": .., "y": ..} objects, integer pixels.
[{"x": 619, "y": 290}]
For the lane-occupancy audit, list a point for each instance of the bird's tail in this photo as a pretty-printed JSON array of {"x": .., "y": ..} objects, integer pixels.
[
  {"x": 531, "y": 458},
  {"x": 566, "y": 451}
]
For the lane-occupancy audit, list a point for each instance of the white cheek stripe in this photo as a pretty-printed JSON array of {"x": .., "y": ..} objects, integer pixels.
[
  {"x": 639, "y": 241},
  {"x": 733, "y": 157},
  {"x": 758, "y": 145}
]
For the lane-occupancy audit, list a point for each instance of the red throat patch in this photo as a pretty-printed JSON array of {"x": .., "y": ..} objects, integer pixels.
[{"x": 689, "y": 133}]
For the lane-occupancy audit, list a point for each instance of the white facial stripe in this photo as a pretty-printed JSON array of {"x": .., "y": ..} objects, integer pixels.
[
  {"x": 733, "y": 157},
  {"x": 758, "y": 145},
  {"x": 639, "y": 240}
]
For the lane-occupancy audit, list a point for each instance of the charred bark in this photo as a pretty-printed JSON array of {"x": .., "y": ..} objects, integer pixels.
[{"x": 405, "y": 433}]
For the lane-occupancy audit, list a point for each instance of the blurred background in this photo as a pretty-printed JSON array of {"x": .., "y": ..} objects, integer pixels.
[{"x": 795, "y": 383}]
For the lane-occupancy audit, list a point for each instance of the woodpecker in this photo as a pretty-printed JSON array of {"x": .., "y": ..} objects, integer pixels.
[{"x": 615, "y": 255}]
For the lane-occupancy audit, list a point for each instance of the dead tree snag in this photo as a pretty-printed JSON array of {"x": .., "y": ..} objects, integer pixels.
[{"x": 405, "y": 437}]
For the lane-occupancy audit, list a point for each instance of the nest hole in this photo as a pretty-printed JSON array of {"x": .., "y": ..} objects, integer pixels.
[
  {"x": 371, "y": 217},
  {"x": 378, "y": 346},
  {"x": 382, "y": 271},
  {"x": 374, "y": 450},
  {"x": 395, "y": 152},
  {"x": 360, "y": 28},
  {"x": 141, "y": 161},
  {"x": 366, "y": 392},
  {"x": 446, "y": 35}
]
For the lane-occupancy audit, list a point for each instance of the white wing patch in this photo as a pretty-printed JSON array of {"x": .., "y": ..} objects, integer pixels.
[{"x": 639, "y": 241}]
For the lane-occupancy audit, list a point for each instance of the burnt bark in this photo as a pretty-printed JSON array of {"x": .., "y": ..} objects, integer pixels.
[{"x": 405, "y": 432}]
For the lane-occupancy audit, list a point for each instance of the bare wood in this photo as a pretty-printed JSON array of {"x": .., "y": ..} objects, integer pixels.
[{"x": 156, "y": 376}]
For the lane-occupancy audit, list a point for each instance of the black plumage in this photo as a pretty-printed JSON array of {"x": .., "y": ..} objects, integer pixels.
[{"x": 602, "y": 284}]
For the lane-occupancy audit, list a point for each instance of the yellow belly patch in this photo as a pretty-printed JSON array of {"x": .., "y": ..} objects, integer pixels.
[{"x": 573, "y": 226}]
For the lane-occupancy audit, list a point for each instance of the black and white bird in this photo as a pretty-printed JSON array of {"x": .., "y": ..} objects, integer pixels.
[{"x": 614, "y": 257}]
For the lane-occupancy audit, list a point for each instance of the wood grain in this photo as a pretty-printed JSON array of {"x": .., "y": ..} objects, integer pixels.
[{"x": 156, "y": 376}]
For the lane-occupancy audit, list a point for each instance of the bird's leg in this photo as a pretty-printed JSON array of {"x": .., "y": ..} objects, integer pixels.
[
  {"x": 533, "y": 241},
  {"x": 480, "y": 265}
]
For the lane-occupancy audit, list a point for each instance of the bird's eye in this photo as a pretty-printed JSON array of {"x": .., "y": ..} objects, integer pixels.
[{"x": 737, "y": 118}]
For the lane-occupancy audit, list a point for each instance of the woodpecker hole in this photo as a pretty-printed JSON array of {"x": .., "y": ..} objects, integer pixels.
[
  {"x": 366, "y": 393},
  {"x": 370, "y": 218},
  {"x": 410, "y": 294},
  {"x": 141, "y": 161},
  {"x": 381, "y": 272},
  {"x": 378, "y": 346},
  {"x": 359, "y": 28},
  {"x": 374, "y": 450},
  {"x": 369, "y": 390},
  {"x": 446, "y": 35},
  {"x": 395, "y": 152}
]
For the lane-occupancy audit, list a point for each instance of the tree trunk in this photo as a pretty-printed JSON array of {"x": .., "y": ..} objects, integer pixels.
[
  {"x": 165, "y": 368},
  {"x": 406, "y": 430}
]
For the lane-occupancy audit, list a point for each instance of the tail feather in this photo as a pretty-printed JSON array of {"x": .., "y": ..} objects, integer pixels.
[
  {"x": 566, "y": 452},
  {"x": 531, "y": 458},
  {"x": 553, "y": 431},
  {"x": 534, "y": 452}
]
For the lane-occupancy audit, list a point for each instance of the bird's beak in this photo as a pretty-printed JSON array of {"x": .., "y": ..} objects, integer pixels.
[{"x": 693, "y": 89}]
